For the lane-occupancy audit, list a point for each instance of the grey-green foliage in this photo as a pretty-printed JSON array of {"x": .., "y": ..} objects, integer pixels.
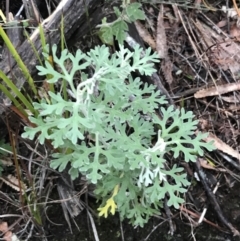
[{"x": 108, "y": 127}]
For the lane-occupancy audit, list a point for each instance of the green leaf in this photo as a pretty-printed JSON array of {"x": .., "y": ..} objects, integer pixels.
[
  {"x": 5, "y": 146},
  {"x": 117, "y": 11},
  {"x": 119, "y": 30},
  {"x": 106, "y": 35},
  {"x": 134, "y": 12}
]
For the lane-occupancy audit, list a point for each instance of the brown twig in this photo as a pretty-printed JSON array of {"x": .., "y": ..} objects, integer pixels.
[
  {"x": 236, "y": 7},
  {"x": 213, "y": 199},
  {"x": 183, "y": 209}
]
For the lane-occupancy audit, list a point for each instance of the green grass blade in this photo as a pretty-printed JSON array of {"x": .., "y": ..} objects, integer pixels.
[
  {"x": 50, "y": 58},
  {"x": 33, "y": 47},
  {"x": 42, "y": 37},
  {"x": 19, "y": 61},
  {"x": 14, "y": 100},
  {"x": 15, "y": 90}
]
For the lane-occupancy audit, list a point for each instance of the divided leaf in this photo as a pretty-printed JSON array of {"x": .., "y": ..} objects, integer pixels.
[
  {"x": 134, "y": 12},
  {"x": 177, "y": 130},
  {"x": 107, "y": 130}
]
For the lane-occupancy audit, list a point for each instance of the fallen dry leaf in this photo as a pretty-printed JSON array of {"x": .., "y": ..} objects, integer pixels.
[
  {"x": 204, "y": 163},
  {"x": 13, "y": 182},
  {"x": 166, "y": 67},
  {"x": 145, "y": 35},
  {"x": 220, "y": 49},
  {"x": 234, "y": 107},
  {"x": 4, "y": 229},
  {"x": 8, "y": 236},
  {"x": 6, "y": 161},
  {"x": 218, "y": 90},
  {"x": 231, "y": 99},
  {"x": 162, "y": 48},
  {"x": 161, "y": 40},
  {"x": 220, "y": 145}
]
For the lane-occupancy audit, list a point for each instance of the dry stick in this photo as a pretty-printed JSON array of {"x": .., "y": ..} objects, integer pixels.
[
  {"x": 213, "y": 200},
  {"x": 205, "y": 209},
  {"x": 95, "y": 233},
  {"x": 236, "y": 7},
  {"x": 189, "y": 35},
  {"x": 168, "y": 213},
  {"x": 229, "y": 160},
  {"x": 121, "y": 229},
  {"x": 185, "y": 210}
]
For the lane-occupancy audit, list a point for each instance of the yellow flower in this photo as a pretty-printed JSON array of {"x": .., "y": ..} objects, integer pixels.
[{"x": 110, "y": 204}]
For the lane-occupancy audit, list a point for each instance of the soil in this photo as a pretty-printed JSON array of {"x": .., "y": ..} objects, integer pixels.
[{"x": 110, "y": 229}]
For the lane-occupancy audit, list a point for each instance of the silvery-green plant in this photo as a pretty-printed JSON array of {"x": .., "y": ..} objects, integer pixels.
[{"x": 109, "y": 131}]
